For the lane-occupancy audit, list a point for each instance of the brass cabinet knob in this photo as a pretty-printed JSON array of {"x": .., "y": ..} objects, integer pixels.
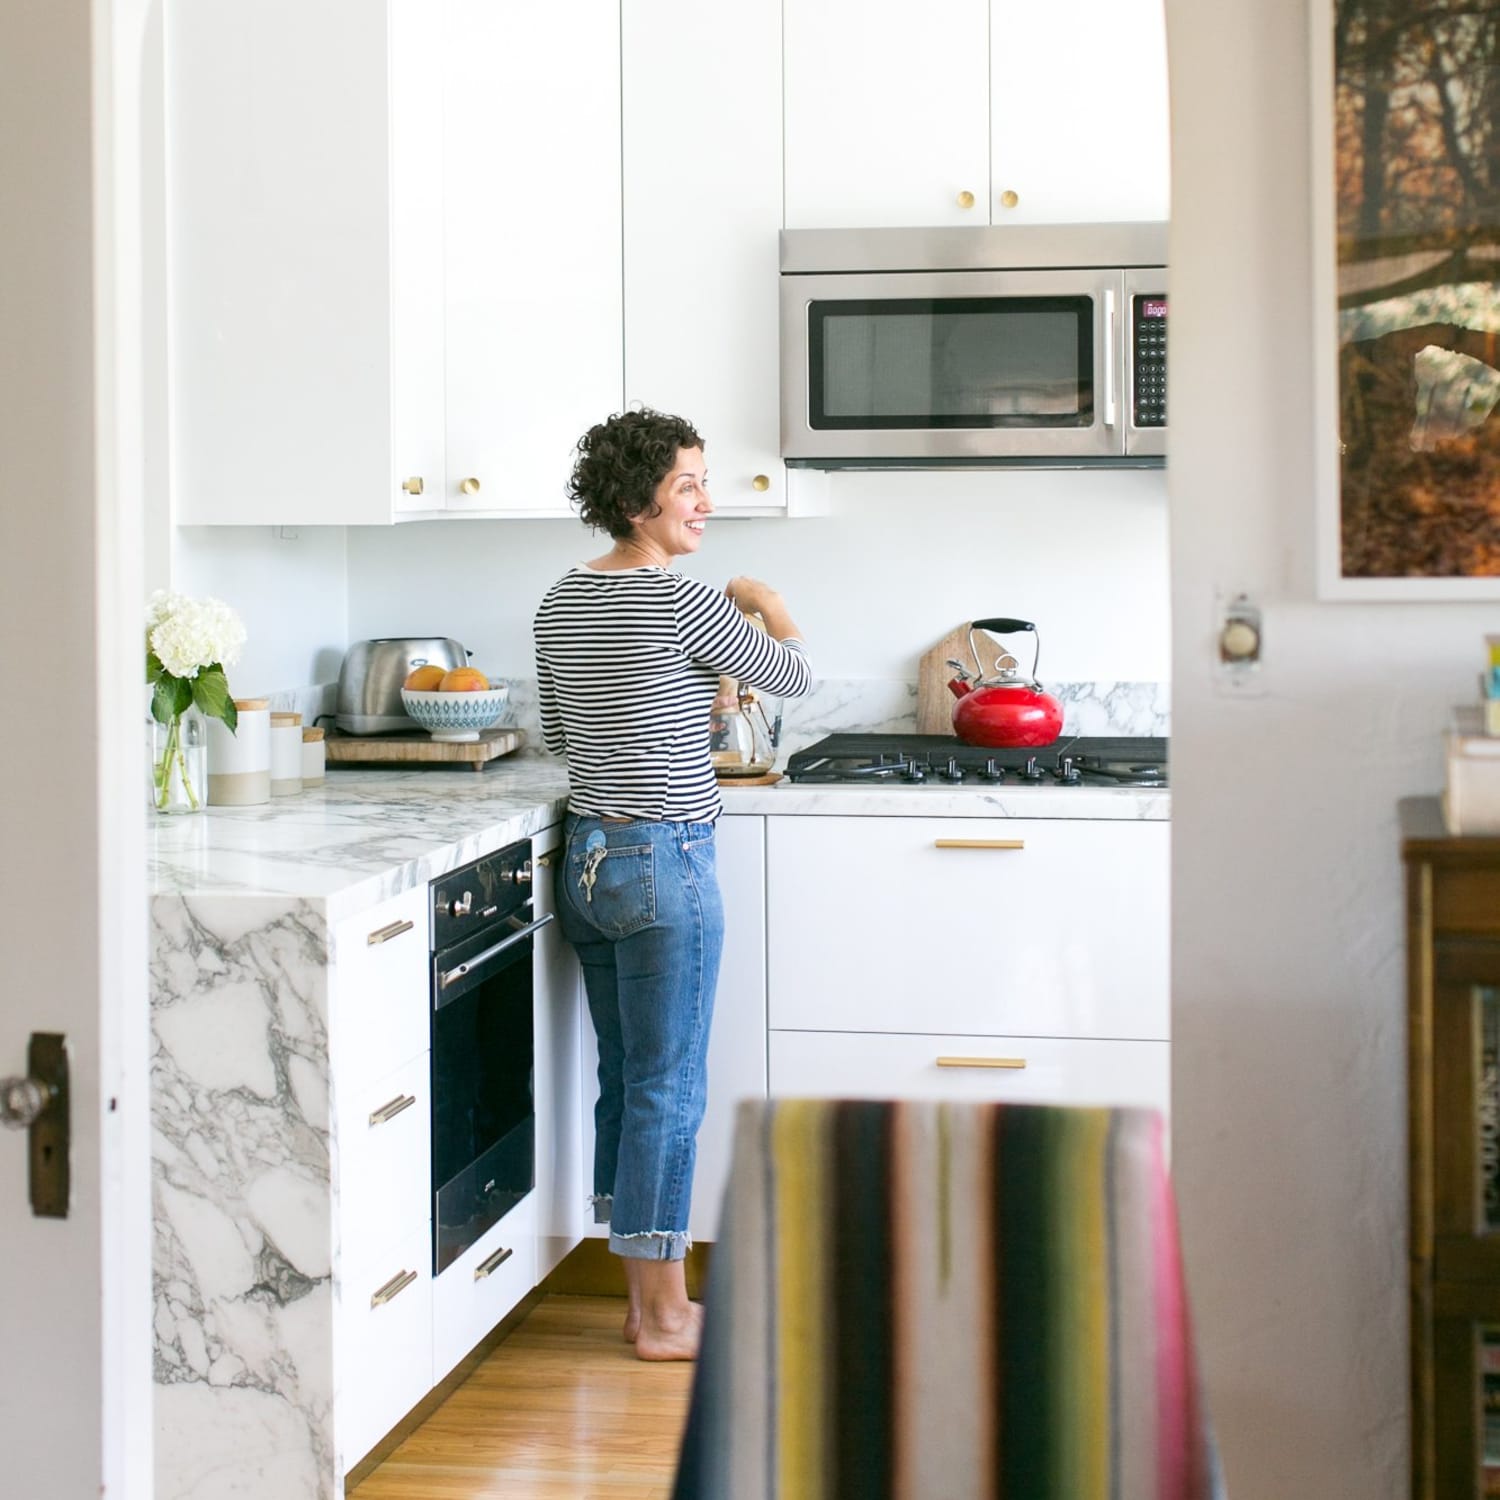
[
  {"x": 1008, "y": 199},
  {"x": 966, "y": 199},
  {"x": 761, "y": 482},
  {"x": 413, "y": 486},
  {"x": 469, "y": 486}
]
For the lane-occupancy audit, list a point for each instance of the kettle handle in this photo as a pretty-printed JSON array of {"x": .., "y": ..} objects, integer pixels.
[{"x": 1005, "y": 626}]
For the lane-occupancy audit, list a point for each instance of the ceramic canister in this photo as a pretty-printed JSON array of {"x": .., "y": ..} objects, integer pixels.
[
  {"x": 314, "y": 757},
  {"x": 286, "y": 754},
  {"x": 239, "y": 764}
]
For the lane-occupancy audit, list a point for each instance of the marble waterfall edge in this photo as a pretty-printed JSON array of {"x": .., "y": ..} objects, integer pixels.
[{"x": 244, "y": 1241}]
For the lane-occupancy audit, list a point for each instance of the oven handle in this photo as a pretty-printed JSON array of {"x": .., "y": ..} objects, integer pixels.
[{"x": 454, "y": 975}]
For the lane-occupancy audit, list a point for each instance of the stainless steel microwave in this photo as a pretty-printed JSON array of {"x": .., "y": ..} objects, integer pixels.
[{"x": 1039, "y": 345}]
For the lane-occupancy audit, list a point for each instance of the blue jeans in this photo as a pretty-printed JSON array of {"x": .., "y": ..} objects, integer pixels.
[{"x": 640, "y": 903}]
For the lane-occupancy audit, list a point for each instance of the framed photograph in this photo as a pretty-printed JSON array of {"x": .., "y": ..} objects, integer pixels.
[{"x": 1406, "y": 235}]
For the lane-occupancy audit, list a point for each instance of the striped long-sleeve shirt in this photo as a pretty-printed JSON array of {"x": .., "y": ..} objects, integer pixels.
[{"x": 628, "y": 665}]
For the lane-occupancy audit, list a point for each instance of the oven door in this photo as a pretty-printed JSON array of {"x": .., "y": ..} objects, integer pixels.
[
  {"x": 483, "y": 1116},
  {"x": 958, "y": 366}
]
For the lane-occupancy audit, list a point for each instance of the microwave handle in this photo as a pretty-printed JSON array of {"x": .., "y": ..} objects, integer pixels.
[{"x": 1109, "y": 357}]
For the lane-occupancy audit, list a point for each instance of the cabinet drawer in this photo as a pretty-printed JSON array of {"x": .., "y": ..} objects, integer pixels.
[
  {"x": 924, "y": 924},
  {"x": 385, "y": 1353},
  {"x": 482, "y": 1285},
  {"x": 1466, "y": 901},
  {"x": 384, "y": 1161},
  {"x": 380, "y": 1003},
  {"x": 855, "y": 1065}
]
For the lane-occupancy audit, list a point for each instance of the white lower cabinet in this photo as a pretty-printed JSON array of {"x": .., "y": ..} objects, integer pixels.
[
  {"x": 380, "y": 986},
  {"x": 472, "y": 1295},
  {"x": 1018, "y": 1070},
  {"x": 557, "y": 1075},
  {"x": 968, "y": 926},
  {"x": 384, "y": 1357}
]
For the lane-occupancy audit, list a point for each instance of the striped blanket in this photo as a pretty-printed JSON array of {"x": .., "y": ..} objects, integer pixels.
[{"x": 921, "y": 1301}]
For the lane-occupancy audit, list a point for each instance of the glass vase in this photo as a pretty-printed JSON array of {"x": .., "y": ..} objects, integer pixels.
[{"x": 179, "y": 763}]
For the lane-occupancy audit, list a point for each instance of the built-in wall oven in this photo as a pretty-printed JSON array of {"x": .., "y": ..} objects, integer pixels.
[
  {"x": 1039, "y": 345},
  {"x": 483, "y": 1047}
]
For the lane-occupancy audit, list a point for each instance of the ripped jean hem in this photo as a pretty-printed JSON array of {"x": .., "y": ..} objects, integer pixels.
[{"x": 653, "y": 1244}]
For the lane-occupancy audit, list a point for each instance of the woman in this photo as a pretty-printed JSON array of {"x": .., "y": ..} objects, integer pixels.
[{"x": 629, "y": 655}]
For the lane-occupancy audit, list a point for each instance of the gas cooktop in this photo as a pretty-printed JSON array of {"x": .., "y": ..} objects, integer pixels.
[{"x": 939, "y": 759}]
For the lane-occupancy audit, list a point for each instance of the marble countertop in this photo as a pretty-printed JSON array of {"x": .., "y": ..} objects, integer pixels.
[{"x": 366, "y": 835}]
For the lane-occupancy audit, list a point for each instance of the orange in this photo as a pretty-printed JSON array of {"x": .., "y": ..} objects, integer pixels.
[
  {"x": 463, "y": 680},
  {"x": 423, "y": 679}
]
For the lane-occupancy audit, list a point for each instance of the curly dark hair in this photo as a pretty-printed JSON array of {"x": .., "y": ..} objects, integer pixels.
[{"x": 620, "y": 463}]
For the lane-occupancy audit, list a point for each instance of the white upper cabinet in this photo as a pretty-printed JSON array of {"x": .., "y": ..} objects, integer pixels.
[
  {"x": 1078, "y": 111},
  {"x": 531, "y": 95},
  {"x": 304, "y": 252},
  {"x": 702, "y": 159},
  {"x": 887, "y": 113},
  {"x": 975, "y": 112}
]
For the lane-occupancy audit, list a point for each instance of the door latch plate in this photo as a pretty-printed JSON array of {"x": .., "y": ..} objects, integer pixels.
[{"x": 51, "y": 1136}]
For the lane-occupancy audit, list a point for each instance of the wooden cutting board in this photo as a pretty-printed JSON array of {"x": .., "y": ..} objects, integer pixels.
[
  {"x": 934, "y": 701},
  {"x": 404, "y": 749}
]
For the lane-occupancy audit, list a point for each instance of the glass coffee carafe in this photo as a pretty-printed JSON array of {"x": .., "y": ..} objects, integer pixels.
[{"x": 742, "y": 739}]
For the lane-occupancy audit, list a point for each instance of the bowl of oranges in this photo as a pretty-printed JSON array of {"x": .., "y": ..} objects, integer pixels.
[{"x": 453, "y": 705}]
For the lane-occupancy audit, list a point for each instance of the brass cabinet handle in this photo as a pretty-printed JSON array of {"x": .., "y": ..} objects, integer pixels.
[
  {"x": 493, "y": 1264},
  {"x": 1009, "y": 199},
  {"x": 966, "y": 199},
  {"x": 981, "y": 1062},
  {"x": 390, "y": 1111},
  {"x": 979, "y": 843},
  {"x": 393, "y": 1288},
  {"x": 413, "y": 486},
  {"x": 386, "y": 933},
  {"x": 761, "y": 483},
  {"x": 469, "y": 486}
]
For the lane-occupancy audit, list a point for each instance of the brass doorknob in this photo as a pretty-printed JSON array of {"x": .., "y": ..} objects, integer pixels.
[
  {"x": 469, "y": 486},
  {"x": 413, "y": 486},
  {"x": 761, "y": 482},
  {"x": 1009, "y": 199},
  {"x": 966, "y": 199}
]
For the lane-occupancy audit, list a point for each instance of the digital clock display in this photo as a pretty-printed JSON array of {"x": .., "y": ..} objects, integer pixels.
[{"x": 1153, "y": 307}]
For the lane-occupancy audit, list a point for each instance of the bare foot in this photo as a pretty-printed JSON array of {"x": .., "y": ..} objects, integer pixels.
[
  {"x": 633, "y": 1311},
  {"x": 677, "y": 1340}
]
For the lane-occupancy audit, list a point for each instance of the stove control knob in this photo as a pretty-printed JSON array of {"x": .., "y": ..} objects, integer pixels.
[
  {"x": 463, "y": 906},
  {"x": 1032, "y": 772},
  {"x": 914, "y": 773},
  {"x": 991, "y": 771},
  {"x": 1067, "y": 772},
  {"x": 952, "y": 771}
]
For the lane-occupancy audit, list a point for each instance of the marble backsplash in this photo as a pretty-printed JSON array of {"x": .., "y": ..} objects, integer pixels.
[
  {"x": 874, "y": 705},
  {"x": 850, "y": 705}
]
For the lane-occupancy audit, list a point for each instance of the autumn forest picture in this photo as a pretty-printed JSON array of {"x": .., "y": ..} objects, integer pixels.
[{"x": 1417, "y": 164}]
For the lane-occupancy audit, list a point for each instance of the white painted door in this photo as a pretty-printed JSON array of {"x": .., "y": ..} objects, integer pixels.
[
  {"x": 1078, "y": 107},
  {"x": 75, "y": 1302},
  {"x": 887, "y": 113},
  {"x": 702, "y": 206},
  {"x": 532, "y": 247}
]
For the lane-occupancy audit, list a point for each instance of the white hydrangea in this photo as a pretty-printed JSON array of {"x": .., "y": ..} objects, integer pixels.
[{"x": 188, "y": 634}]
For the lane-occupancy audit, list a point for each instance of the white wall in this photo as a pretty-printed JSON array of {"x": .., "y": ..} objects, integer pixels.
[
  {"x": 901, "y": 560},
  {"x": 1288, "y": 1009},
  {"x": 289, "y": 585}
]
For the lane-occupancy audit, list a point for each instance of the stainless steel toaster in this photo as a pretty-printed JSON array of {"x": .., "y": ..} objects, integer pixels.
[{"x": 369, "y": 690}]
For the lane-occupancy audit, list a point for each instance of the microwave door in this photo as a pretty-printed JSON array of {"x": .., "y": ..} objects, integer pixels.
[
  {"x": 957, "y": 366},
  {"x": 1144, "y": 326}
]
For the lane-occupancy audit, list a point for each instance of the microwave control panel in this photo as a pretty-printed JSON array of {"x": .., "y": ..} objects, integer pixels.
[{"x": 1148, "y": 358}]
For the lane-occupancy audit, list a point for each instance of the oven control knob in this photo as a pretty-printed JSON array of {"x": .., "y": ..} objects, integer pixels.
[
  {"x": 463, "y": 906},
  {"x": 1067, "y": 772},
  {"x": 521, "y": 875},
  {"x": 952, "y": 771},
  {"x": 1032, "y": 772},
  {"x": 991, "y": 771}
]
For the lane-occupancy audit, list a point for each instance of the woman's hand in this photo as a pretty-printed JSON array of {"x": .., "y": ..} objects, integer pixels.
[{"x": 754, "y": 597}]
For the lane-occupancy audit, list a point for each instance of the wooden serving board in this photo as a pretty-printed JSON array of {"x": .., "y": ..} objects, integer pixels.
[
  {"x": 404, "y": 748},
  {"x": 934, "y": 701}
]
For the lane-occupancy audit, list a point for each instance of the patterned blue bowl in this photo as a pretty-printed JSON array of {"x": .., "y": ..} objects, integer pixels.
[{"x": 456, "y": 716}]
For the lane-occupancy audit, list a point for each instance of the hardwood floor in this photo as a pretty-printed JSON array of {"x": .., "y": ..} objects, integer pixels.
[{"x": 562, "y": 1410}]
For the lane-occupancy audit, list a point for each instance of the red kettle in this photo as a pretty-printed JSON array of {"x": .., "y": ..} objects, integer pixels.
[{"x": 1006, "y": 711}]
